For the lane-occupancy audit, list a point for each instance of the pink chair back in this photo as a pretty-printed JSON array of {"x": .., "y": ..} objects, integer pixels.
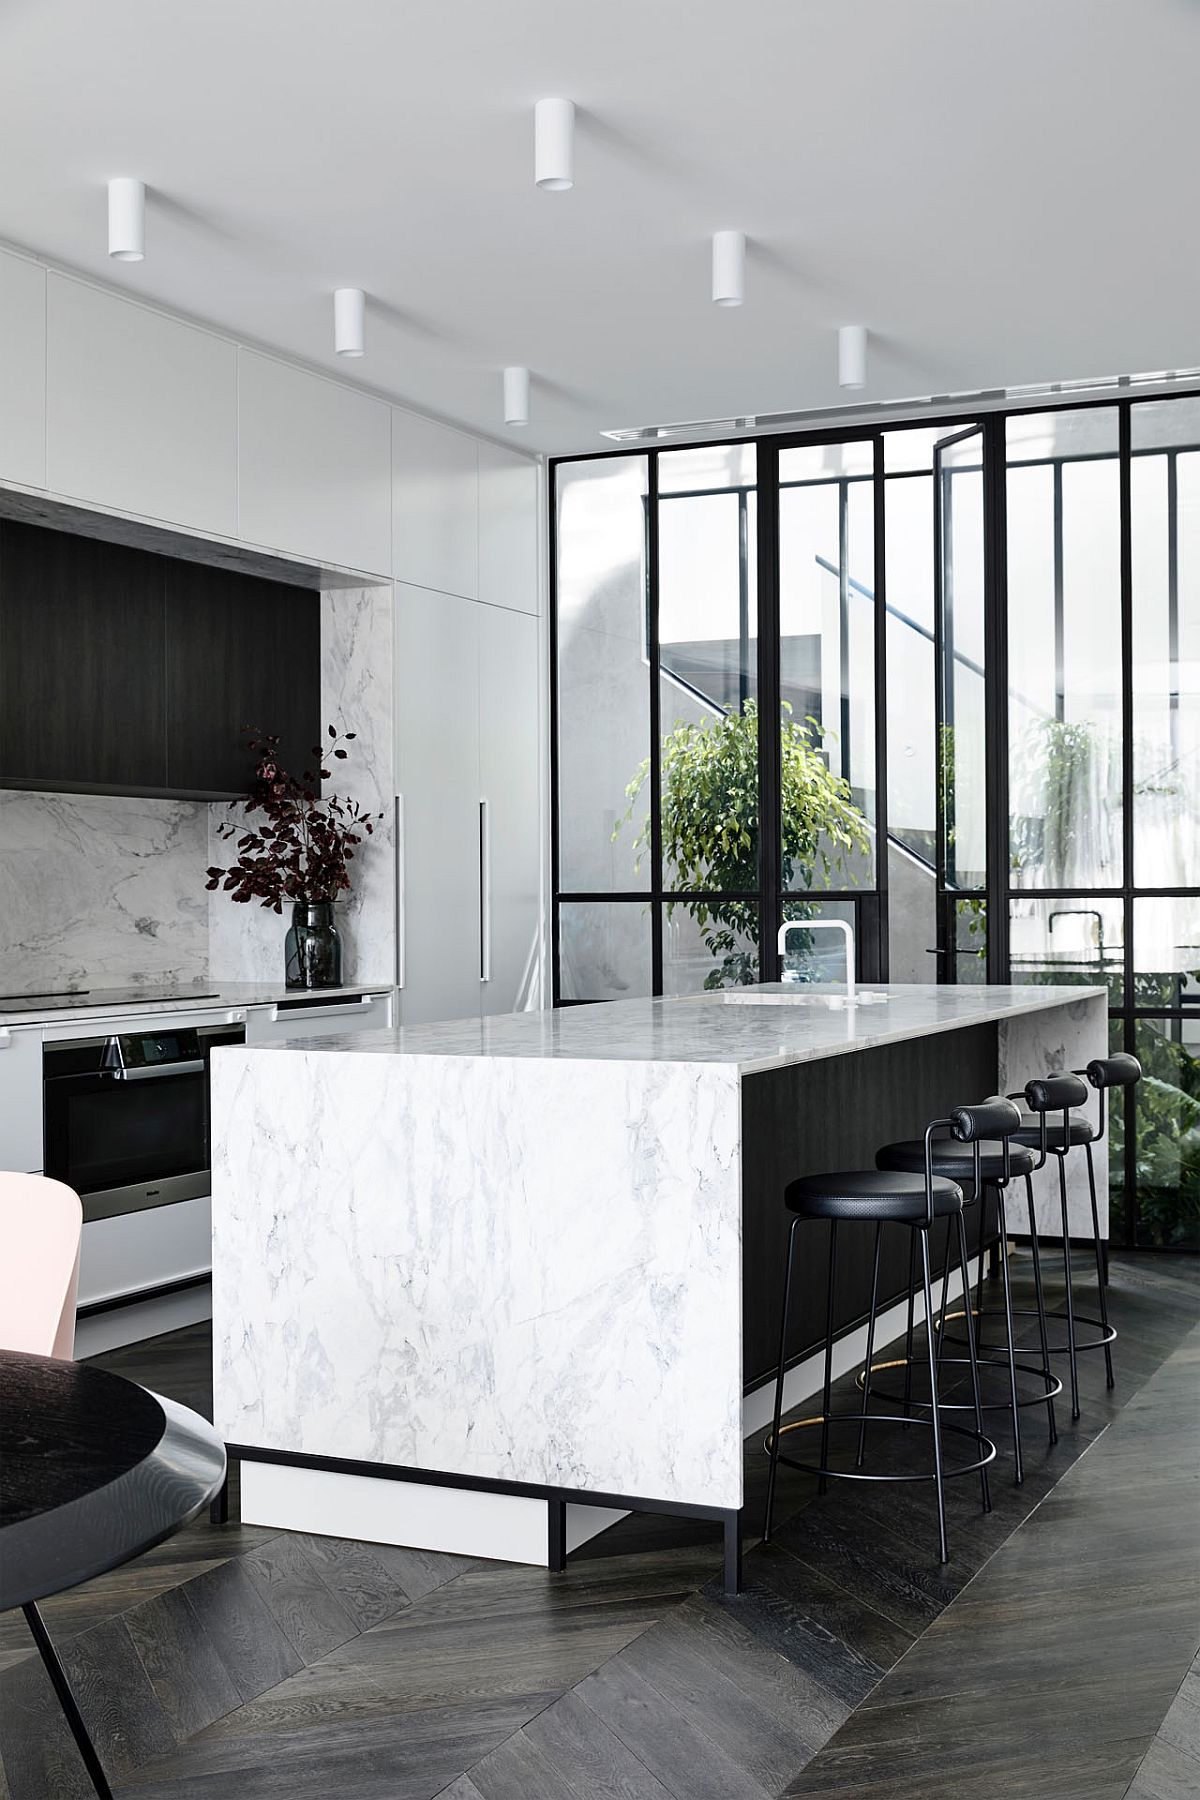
[{"x": 41, "y": 1228}]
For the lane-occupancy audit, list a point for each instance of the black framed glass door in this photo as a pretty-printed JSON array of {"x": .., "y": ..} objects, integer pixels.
[{"x": 960, "y": 678}]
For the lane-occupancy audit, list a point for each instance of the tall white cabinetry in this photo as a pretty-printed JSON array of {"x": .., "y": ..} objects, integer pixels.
[
  {"x": 468, "y": 743},
  {"x": 467, "y": 697},
  {"x": 22, "y": 371}
]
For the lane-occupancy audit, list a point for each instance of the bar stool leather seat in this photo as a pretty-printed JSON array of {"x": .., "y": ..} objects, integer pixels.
[
  {"x": 956, "y": 1160},
  {"x": 1081, "y": 1131},
  {"x": 872, "y": 1194}
]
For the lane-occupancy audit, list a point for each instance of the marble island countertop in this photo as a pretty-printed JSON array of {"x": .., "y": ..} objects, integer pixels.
[{"x": 705, "y": 1028}]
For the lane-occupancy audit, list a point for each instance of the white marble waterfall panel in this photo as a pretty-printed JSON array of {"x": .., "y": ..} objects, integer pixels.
[
  {"x": 356, "y": 695},
  {"x": 98, "y": 889},
  {"x": 1053, "y": 1043},
  {"x": 517, "y": 1269}
]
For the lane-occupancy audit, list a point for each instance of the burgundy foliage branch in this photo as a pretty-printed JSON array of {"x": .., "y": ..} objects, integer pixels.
[{"x": 298, "y": 843}]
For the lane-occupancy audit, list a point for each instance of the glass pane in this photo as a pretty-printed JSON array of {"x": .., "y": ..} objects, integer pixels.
[
  {"x": 1166, "y": 1107},
  {"x": 603, "y": 675},
  {"x": 824, "y": 462},
  {"x": 604, "y": 950},
  {"x": 1166, "y": 952},
  {"x": 709, "y": 466},
  {"x": 962, "y": 738},
  {"x": 1064, "y": 648},
  {"x": 970, "y": 937},
  {"x": 827, "y": 683},
  {"x": 912, "y": 739},
  {"x": 816, "y": 955},
  {"x": 912, "y": 449},
  {"x": 1165, "y": 493},
  {"x": 1069, "y": 943},
  {"x": 708, "y": 640},
  {"x": 709, "y": 944}
]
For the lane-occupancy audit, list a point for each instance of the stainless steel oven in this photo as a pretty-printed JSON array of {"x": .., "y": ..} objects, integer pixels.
[{"x": 127, "y": 1115}]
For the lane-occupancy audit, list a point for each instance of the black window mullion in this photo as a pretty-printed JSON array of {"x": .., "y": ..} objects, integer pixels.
[
  {"x": 770, "y": 811},
  {"x": 1125, "y": 475},
  {"x": 995, "y": 696},
  {"x": 653, "y": 651}
]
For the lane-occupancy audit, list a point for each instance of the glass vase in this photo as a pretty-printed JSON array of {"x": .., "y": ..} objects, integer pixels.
[{"x": 313, "y": 947}]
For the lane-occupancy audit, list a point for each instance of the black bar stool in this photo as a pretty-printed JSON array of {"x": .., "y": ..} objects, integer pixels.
[
  {"x": 1062, "y": 1093},
  {"x": 988, "y": 1164},
  {"x": 883, "y": 1197}
]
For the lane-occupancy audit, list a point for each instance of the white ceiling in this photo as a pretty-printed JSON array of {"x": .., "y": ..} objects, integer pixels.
[{"x": 1003, "y": 191}]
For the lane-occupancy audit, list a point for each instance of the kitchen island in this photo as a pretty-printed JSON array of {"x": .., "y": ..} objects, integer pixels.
[{"x": 472, "y": 1280}]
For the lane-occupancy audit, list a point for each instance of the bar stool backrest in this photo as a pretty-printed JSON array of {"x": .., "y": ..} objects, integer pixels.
[
  {"x": 1054, "y": 1093},
  {"x": 995, "y": 1117},
  {"x": 1105, "y": 1072}
]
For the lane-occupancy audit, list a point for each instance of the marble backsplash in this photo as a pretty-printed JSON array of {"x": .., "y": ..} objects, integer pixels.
[
  {"x": 102, "y": 890},
  {"x": 99, "y": 890}
]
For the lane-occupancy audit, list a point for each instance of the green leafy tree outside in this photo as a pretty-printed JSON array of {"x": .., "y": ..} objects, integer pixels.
[{"x": 710, "y": 826}]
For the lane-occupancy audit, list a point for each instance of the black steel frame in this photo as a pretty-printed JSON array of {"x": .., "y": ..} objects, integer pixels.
[
  {"x": 871, "y": 904},
  {"x": 558, "y": 1498}
]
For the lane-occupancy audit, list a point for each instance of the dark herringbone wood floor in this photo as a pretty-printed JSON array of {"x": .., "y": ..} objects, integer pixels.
[{"x": 1049, "y": 1659}]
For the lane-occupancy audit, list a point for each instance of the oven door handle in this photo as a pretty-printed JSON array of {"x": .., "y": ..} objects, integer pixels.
[{"x": 160, "y": 1071}]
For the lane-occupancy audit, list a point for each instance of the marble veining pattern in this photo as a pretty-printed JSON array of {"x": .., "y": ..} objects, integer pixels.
[
  {"x": 524, "y": 1271},
  {"x": 246, "y": 942},
  {"x": 100, "y": 889}
]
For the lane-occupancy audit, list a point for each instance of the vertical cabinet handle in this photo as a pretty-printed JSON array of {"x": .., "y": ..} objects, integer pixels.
[
  {"x": 401, "y": 895},
  {"x": 485, "y": 892}
]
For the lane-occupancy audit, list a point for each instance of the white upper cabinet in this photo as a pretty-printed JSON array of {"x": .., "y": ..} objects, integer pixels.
[
  {"x": 141, "y": 410},
  {"x": 508, "y": 529},
  {"x": 314, "y": 466},
  {"x": 22, "y": 371},
  {"x": 435, "y": 506}
]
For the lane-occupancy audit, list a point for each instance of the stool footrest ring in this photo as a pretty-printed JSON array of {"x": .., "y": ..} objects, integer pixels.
[
  {"x": 1105, "y": 1335},
  {"x": 858, "y": 1420},
  {"x": 1052, "y": 1389}
]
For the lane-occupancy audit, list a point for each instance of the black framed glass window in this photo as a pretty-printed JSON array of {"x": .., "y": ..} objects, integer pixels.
[{"x": 940, "y": 681}]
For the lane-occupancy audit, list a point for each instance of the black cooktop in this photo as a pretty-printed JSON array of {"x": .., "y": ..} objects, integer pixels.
[{"x": 71, "y": 999}]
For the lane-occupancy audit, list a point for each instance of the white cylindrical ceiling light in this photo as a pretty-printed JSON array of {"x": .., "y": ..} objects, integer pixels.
[
  {"x": 729, "y": 267},
  {"x": 349, "y": 321},
  {"x": 126, "y": 219},
  {"x": 852, "y": 356},
  {"x": 554, "y": 145},
  {"x": 516, "y": 396}
]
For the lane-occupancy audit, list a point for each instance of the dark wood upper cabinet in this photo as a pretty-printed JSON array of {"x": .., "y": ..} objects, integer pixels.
[
  {"x": 242, "y": 654},
  {"x": 128, "y": 672},
  {"x": 82, "y": 662}
]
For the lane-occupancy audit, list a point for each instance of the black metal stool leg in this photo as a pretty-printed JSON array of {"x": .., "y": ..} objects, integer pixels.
[
  {"x": 935, "y": 1411},
  {"x": 66, "y": 1700},
  {"x": 1101, "y": 1268},
  {"x": 1002, "y": 1226},
  {"x": 783, "y": 1325},
  {"x": 1073, "y": 1355},
  {"x": 908, "y": 1336},
  {"x": 862, "y": 1430},
  {"x": 945, "y": 1306},
  {"x": 964, "y": 1264},
  {"x": 979, "y": 1276},
  {"x": 822, "y": 1483},
  {"x": 1041, "y": 1305}
]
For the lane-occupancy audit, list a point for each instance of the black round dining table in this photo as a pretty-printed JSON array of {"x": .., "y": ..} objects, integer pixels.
[{"x": 93, "y": 1471}]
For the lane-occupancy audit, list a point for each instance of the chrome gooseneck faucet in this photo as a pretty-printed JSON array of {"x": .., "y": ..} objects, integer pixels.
[{"x": 824, "y": 925}]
